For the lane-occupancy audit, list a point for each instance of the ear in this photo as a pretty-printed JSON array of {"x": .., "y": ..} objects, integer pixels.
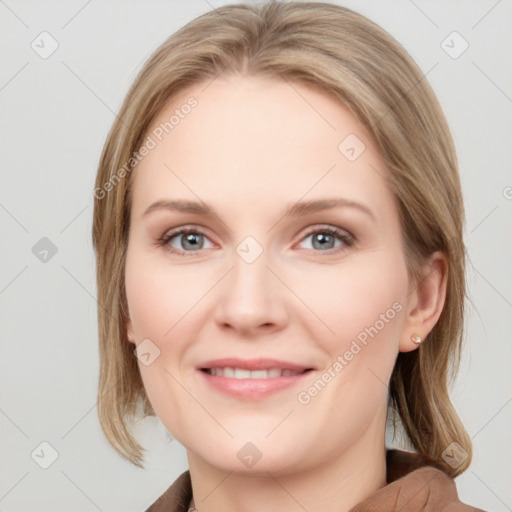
[
  {"x": 129, "y": 330},
  {"x": 426, "y": 301}
]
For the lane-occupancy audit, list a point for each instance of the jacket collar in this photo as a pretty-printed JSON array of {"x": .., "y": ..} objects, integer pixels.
[{"x": 415, "y": 483}]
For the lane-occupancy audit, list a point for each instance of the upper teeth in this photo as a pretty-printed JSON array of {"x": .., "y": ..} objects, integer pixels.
[{"x": 242, "y": 373}]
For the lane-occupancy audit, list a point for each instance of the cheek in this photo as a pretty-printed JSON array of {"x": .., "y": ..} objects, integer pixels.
[
  {"x": 164, "y": 302},
  {"x": 160, "y": 296},
  {"x": 161, "y": 304},
  {"x": 359, "y": 315}
]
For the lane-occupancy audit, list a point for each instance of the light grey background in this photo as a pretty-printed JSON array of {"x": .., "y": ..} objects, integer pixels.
[{"x": 55, "y": 116}]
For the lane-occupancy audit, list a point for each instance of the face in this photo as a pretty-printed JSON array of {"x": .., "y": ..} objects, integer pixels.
[{"x": 265, "y": 276}]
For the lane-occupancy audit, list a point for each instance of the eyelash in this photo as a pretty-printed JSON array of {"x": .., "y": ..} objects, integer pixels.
[{"x": 347, "y": 239}]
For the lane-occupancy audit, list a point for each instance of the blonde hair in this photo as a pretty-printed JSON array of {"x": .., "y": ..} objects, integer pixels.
[{"x": 346, "y": 55}]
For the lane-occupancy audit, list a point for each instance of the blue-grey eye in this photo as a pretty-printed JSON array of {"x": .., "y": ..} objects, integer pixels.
[
  {"x": 327, "y": 238},
  {"x": 188, "y": 241}
]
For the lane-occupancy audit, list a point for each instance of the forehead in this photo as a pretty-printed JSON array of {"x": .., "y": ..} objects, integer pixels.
[{"x": 252, "y": 137}]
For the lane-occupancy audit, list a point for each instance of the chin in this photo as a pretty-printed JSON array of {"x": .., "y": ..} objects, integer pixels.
[{"x": 253, "y": 457}]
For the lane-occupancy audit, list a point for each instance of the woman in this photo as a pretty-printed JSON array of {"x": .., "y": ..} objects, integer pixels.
[{"x": 278, "y": 230}]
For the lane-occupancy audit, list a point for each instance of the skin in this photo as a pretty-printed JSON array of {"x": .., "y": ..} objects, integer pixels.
[{"x": 251, "y": 147}]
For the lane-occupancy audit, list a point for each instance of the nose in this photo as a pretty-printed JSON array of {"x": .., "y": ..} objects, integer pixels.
[{"x": 252, "y": 300}]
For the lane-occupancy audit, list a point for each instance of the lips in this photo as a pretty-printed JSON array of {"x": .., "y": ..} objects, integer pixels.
[{"x": 252, "y": 378}]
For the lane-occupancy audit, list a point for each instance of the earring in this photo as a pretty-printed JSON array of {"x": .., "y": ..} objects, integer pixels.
[{"x": 416, "y": 338}]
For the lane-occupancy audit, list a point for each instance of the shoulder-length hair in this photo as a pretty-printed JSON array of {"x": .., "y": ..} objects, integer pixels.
[{"x": 345, "y": 55}]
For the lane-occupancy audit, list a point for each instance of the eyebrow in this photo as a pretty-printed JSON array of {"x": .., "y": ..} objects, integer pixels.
[{"x": 295, "y": 210}]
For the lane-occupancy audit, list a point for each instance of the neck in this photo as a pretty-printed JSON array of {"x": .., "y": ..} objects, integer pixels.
[{"x": 337, "y": 485}]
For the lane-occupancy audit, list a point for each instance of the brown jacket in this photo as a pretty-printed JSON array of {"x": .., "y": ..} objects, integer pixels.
[{"x": 414, "y": 484}]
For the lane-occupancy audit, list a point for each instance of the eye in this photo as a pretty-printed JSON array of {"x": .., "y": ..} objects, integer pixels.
[
  {"x": 185, "y": 240},
  {"x": 329, "y": 238}
]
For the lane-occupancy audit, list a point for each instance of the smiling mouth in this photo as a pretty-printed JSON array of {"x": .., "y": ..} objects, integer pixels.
[
  {"x": 252, "y": 379},
  {"x": 243, "y": 373}
]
